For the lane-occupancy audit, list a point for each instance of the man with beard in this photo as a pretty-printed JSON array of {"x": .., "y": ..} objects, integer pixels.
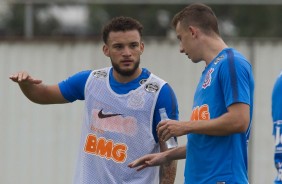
[{"x": 122, "y": 105}]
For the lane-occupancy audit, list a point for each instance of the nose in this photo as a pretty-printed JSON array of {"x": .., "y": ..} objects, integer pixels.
[
  {"x": 181, "y": 48},
  {"x": 126, "y": 51}
]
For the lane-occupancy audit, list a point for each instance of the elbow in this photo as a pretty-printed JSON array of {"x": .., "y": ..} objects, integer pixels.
[
  {"x": 37, "y": 101},
  {"x": 243, "y": 128},
  {"x": 242, "y": 125},
  {"x": 239, "y": 117}
]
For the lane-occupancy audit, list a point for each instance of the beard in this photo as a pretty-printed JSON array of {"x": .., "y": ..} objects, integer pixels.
[{"x": 126, "y": 72}]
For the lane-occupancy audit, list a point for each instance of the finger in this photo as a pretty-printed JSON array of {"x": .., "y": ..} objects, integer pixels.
[
  {"x": 161, "y": 130},
  {"x": 36, "y": 81},
  {"x": 14, "y": 78},
  {"x": 142, "y": 167},
  {"x": 132, "y": 164},
  {"x": 139, "y": 165},
  {"x": 20, "y": 77},
  {"x": 25, "y": 76},
  {"x": 160, "y": 124},
  {"x": 165, "y": 135},
  {"x": 136, "y": 163}
]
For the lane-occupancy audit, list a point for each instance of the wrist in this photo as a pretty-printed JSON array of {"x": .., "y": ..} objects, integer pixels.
[
  {"x": 189, "y": 127},
  {"x": 168, "y": 155}
]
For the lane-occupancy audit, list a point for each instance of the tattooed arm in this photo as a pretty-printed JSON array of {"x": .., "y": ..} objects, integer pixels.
[{"x": 168, "y": 169}]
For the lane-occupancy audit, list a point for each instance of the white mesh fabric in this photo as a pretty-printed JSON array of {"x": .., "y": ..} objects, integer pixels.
[{"x": 109, "y": 144}]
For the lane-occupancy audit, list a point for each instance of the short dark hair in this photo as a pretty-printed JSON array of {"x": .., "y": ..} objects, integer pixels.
[
  {"x": 121, "y": 24},
  {"x": 197, "y": 14}
]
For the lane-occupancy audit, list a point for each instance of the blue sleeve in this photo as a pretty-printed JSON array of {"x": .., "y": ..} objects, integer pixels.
[
  {"x": 167, "y": 99},
  {"x": 73, "y": 88},
  {"x": 236, "y": 80}
]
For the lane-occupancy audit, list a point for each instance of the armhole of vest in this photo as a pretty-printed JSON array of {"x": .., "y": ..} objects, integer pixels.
[
  {"x": 87, "y": 81},
  {"x": 162, "y": 83}
]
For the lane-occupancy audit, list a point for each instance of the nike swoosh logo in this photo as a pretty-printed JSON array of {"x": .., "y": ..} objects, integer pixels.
[{"x": 102, "y": 116}]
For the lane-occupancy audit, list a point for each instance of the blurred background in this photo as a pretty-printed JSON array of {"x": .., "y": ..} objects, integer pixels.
[{"x": 53, "y": 39}]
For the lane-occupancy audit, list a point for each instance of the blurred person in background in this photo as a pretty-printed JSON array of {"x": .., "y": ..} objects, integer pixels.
[
  {"x": 277, "y": 125},
  {"x": 122, "y": 105},
  {"x": 219, "y": 128}
]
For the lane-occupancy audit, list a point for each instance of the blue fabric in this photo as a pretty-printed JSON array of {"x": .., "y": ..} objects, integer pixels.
[
  {"x": 228, "y": 79},
  {"x": 73, "y": 89},
  {"x": 277, "y": 126}
]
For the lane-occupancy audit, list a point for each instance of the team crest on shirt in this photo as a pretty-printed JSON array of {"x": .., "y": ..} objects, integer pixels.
[
  {"x": 152, "y": 87},
  {"x": 208, "y": 79},
  {"x": 100, "y": 74},
  {"x": 219, "y": 58}
]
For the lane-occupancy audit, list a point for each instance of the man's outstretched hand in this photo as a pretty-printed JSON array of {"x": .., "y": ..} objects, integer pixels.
[
  {"x": 149, "y": 160},
  {"x": 24, "y": 78}
]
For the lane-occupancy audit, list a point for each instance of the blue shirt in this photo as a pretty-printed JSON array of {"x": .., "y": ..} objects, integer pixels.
[
  {"x": 228, "y": 79},
  {"x": 277, "y": 126},
  {"x": 73, "y": 89}
]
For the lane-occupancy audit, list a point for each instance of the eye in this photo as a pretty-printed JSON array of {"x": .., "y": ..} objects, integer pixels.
[
  {"x": 118, "y": 46},
  {"x": 134, "y": 45},
  {"x": 179, "y": 38}
]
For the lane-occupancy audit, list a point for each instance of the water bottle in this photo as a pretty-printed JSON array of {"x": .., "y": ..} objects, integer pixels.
[{"x": 171, "y": 142}]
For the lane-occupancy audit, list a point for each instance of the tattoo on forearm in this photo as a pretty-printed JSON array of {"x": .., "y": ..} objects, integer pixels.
[{"x": 168, "y": 172}]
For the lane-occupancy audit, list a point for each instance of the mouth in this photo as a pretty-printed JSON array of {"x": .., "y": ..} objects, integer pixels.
[{"x": 127, "y": 62}]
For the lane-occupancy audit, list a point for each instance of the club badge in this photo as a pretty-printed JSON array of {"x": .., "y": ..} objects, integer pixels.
[
  {"x": 100, "y": 74},
  {"x": 152, "y": 87},
  {"x": 208, "y": 79}
]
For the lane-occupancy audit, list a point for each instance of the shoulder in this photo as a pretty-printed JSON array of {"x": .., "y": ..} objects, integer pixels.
[
  {"x": 167, "y": 88},
  {"x": 77, "y": 77},
  {"x": 232, "y": 61},
  {"x": 233, "y": 57},
  {"x": 152, "y": 76},
  {"x": 73, "y": 87},
  {"x": 167, "y": 93},
  {"x": 82, "y": 74}
]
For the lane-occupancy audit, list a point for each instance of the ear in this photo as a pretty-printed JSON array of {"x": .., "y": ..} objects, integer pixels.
[
  {"x": 141, "y": 47},
  {"x": 193, "y": 30},
  {"x": 106, "y": 50}
]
